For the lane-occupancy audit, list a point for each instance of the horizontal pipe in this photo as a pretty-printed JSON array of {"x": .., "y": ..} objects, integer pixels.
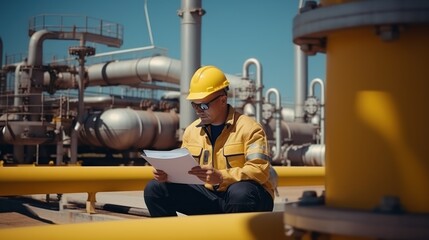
[
  {"x": 224, "y": 226},
  {"x": 300, "y": 176},
  {"x": 72, "y": 179}
]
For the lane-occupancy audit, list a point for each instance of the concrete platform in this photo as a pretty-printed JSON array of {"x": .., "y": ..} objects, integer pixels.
[{"x": 35, "y": 210}]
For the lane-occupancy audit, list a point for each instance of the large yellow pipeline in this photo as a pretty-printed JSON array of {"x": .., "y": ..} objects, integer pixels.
[
  {"x": 223, "y": 226},
  {"x": 71, "y": 179}
]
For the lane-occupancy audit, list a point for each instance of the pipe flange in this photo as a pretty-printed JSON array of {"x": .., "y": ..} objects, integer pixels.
[
  {"x": 310, "y": 28},
  {"x": 372, "y": 224}
]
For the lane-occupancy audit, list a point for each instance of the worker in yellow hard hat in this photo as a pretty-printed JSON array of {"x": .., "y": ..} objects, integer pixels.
[{"x": 233, "y": 157}]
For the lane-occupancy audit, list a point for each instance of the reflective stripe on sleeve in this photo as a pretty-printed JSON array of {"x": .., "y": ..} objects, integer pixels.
[{"x": 254, "y": 156}]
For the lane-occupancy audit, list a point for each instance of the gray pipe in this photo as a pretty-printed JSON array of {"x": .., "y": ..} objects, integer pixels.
[
  {"x": 133, "y": 72},
  {"x": 300, "y": 83},
  {"x": 322, "y": 105},
  {"x": 1, "y": 54},
  {"x": 191, "y": 17},
  {"x": 259, "y": 87},
  {"x": 17, "y": 101},
  {"x": 277, "y": 117},
  {"x": 301, "y": 72},
  {"x": 35, "y": 48},
  {"x": 306, "y": 155},
  {"x": 125, "y": 128}
]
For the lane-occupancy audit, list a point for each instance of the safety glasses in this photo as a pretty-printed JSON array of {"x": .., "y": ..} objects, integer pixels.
[{"x": 204, "y": 106}]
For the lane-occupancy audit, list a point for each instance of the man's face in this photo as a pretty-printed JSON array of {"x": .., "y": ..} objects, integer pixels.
[{"x": 208, "y": 108}]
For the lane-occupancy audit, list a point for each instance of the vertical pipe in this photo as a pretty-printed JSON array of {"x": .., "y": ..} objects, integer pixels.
[
  {"x": 17, "y": 101},
  {"x": 191, "y": 17},
  {"x": 377, "y": 91},
  {"x": 322, "y": 106},
  {"x": 300, "y": 79},
  {"x": 149, "y": 28},
  {"x": 300, "y": 83},
  {"x": 259, "y": 87},
  {"x": 277, "y": 117},
  {"x": 1, "y": 53}
]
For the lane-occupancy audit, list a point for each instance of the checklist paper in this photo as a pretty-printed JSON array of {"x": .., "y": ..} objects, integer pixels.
[{"x": 176, "y": 163}]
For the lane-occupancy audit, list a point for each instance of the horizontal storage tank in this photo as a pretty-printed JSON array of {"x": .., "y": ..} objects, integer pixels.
[
  {"x": 124, "y": 128},
  {"x": 293, "y": 132}
]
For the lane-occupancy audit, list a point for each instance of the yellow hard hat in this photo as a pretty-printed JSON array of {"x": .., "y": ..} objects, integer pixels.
[{"x": 206, "y": 80}]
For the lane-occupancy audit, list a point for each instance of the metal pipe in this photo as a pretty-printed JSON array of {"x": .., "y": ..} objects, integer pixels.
[
  {"x": 301, "y": 75},
  {"x": 35, "y": 49},
  {"x": 125, "y": 128},
  {"x": 259, "y": 87},
  {"x": 72, "y": 179},
  {"x": 267, "y": 225},
  {"x": 191, "y": 13},
  {"x": 1, "y": 54},
  {"x": 132, "y": 72},
  {"x": 149, "y": 29},
  {"x": 322, "y": 105},
  {"x": 17, "y": 100},
  {"x": 31, "y": 179},
  {"x": 300, "y": 83},
  {"x": 306, "y": 155},
  {"x": 277, "y": 117}
]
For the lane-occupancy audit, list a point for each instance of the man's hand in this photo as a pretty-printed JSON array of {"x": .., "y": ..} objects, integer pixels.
[
  {"x": 207, "y": 174},
  {"x": 160, "y": 175}
]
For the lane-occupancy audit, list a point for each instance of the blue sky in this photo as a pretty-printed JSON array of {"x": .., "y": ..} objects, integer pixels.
[{"x": 232, "y": 32}]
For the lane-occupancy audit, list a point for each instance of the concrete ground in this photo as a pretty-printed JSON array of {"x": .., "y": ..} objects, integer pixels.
[{"x": 35, "y": 210}]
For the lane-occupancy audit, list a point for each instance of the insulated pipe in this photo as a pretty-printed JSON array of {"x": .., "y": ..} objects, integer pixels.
[
  {"x": 277, "y": 117},
  {"x": 2, "y": 74},
  {"x": 35, "y": 49},
  {"x": 73, "y": 179},
  {"x": 322, "y": 105},
  {"x": 259, "y": 87},
  {"x": 191, "y": 13},
  {"x": 301, "y": 75},
  {"x": 293, "y": 132},
  {"x": 35, "y": 61},
  {"x": 1, "y": 54},
  {"x": 268, "y": 225},
  {"x": 132, "y": 72},
  {"x": 124, "y": 128},
  {"x": 300, "y": 83},
  {"x": 17, "y": 101},
  {"x": 306, "y": 155}
]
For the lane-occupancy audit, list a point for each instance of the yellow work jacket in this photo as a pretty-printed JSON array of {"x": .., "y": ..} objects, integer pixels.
[{"x": 240, "y": 151}]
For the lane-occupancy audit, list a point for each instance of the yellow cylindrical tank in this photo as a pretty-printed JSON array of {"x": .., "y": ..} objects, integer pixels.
[{"x": 376, "y": 143}]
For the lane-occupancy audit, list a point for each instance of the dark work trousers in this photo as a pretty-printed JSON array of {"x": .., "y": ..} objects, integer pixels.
[{"x": 165, "y": 199}]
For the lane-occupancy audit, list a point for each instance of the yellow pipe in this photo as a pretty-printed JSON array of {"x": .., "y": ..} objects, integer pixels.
[
  {"x": 377, "y": 142},
  {"x": 36, "y": 180},
  {"x": 300, "y": 176},
  {"x": 267, "y": 225}
]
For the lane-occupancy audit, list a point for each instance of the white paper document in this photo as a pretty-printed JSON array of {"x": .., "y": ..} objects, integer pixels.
[{"x": 176, "y": 163}]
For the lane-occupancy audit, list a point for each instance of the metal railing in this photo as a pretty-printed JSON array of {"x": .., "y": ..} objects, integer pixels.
[{"x": 75, "y": 23}]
